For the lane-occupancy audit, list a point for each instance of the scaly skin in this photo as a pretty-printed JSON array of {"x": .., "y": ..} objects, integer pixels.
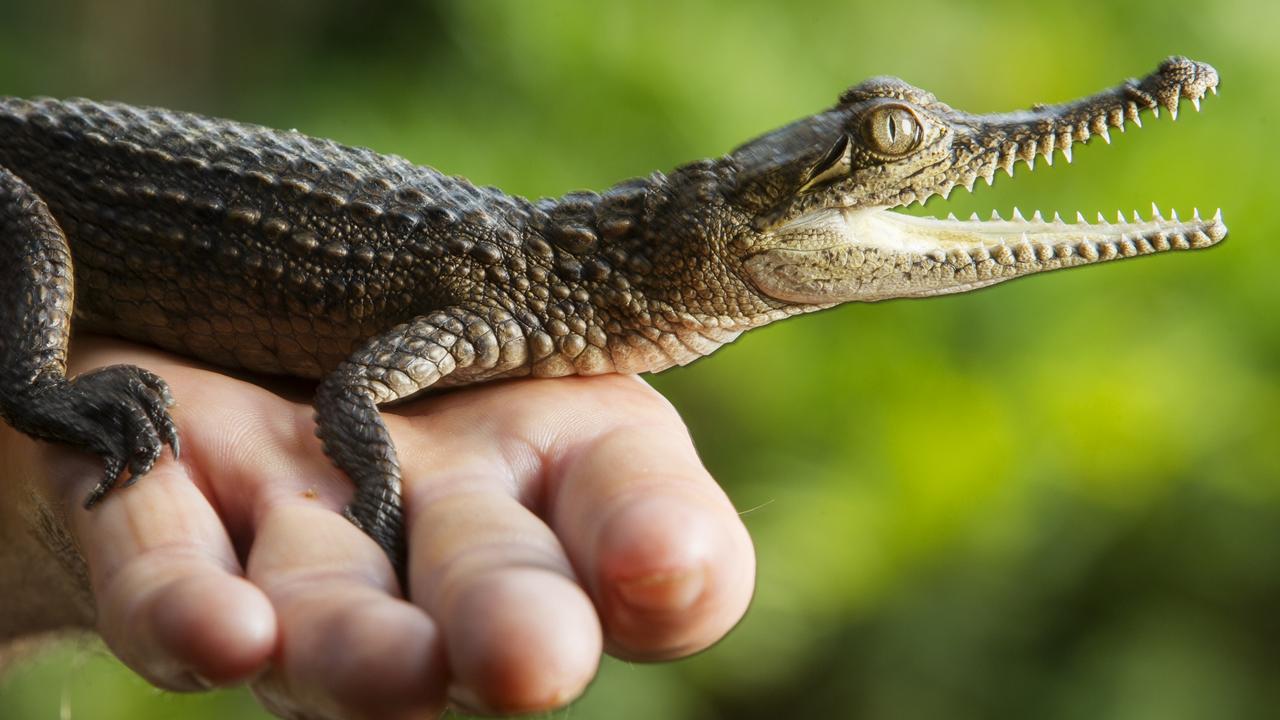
[{"x": 278, "y": 253}]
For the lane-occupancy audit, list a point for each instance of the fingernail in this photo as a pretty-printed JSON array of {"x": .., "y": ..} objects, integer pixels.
[
  {"x": 464, "y": 699},
  {"x": 192, "y": 682},
  {"x": 664, "y": 591}
]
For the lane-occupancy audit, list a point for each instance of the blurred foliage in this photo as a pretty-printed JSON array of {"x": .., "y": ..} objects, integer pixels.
[{"x": 1056, "y": 498}]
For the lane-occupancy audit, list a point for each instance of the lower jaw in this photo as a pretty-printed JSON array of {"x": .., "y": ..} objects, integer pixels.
[{"x": 1037, "y": 238}]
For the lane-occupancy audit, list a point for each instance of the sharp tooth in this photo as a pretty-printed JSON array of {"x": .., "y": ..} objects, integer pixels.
[
  {"x": 995, "y": 215},
  {"x": 1066, "y": 153},
  {"x": 1106, "y": 135},
  {"x": 1217, "y": 216},
  {"x": 946, "y": 191},
  {"x": 1057, "y": 218},
  {"x": 1173, "y": 111},
  {"x": 1195, "y": 102},
  {"x": 1155, "y": 212},
  {"x": 1155, "y": 111},
  {"x": 951, "y": 216},
  {"x": 1137, "y": 120},
  {"x": 1136, "y": 217},
  {"x": 974, "y": 218},
  {"x": 1195, "y": 213},
  {"x": 1214, "y": 89},
  {"x": 1008, "y": 159},
  {"x": 1102, "y": 219},
  {"x": 1174, "y": 214},
  {"x": 989, "y": 172},
  {"x": 1080, "y": 218},
  {"x": 1119, "y": 218},
  {"x": 1017, "y": 215},
  {"x": 1031, "y": 162},
  {"x": 1037, "y": 216},
  {"x": 1048, "y": 156}
]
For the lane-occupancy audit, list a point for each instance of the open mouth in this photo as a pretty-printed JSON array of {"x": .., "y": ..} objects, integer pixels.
[{"x": 835, "y": 253}]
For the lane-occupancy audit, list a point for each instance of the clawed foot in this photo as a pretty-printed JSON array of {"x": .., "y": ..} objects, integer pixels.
[
  {"x": 118, "y": 412},
  {"x": 130, "y": 408}
]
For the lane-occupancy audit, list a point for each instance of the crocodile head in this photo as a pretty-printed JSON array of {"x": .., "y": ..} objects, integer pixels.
[{"x": 818, "y": 193}]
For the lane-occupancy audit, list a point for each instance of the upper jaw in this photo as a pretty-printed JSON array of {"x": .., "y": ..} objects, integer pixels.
[
  {"x": 986, "y": 143},
  {"x": 983, "y": 144}
]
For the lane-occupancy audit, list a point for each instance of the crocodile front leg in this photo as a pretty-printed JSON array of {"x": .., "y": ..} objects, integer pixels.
[
  {"x": 117, "y": 412},
  {"x": 463, "y": 345}
]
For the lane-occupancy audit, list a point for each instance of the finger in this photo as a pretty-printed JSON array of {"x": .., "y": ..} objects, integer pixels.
[
  {"x": 170, "y": 599},
  {"x": 662, "y": 550},
  {"x": 349, "y": 649},
  {"x": 607, "y": 461},
  {"x": 520, "y": 633}
]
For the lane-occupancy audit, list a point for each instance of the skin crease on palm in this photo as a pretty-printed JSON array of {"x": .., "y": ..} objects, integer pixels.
[{"x": 548, "y": 520}]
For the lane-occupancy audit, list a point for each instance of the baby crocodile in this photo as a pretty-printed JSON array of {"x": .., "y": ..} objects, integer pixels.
[{"x": 279, "y": 253}]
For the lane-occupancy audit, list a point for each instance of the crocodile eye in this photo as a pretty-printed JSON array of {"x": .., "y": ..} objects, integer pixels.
[{"x": 892, "y": 130}]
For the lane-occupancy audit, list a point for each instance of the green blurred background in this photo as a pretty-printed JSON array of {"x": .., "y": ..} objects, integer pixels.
[{"x": 1057, "y": 498}]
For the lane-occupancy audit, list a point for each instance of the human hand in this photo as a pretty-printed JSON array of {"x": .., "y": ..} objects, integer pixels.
[{"x": 547, "y": 520}]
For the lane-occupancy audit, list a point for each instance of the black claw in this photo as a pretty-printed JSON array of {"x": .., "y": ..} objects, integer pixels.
[
  {"x": 171, "y": 439},
  {"x": 143, "y": 460},
  {"x": 167, "y": 434},
  {"x": 166, "y": 430},
  {"x": 112, "y": 467}
]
